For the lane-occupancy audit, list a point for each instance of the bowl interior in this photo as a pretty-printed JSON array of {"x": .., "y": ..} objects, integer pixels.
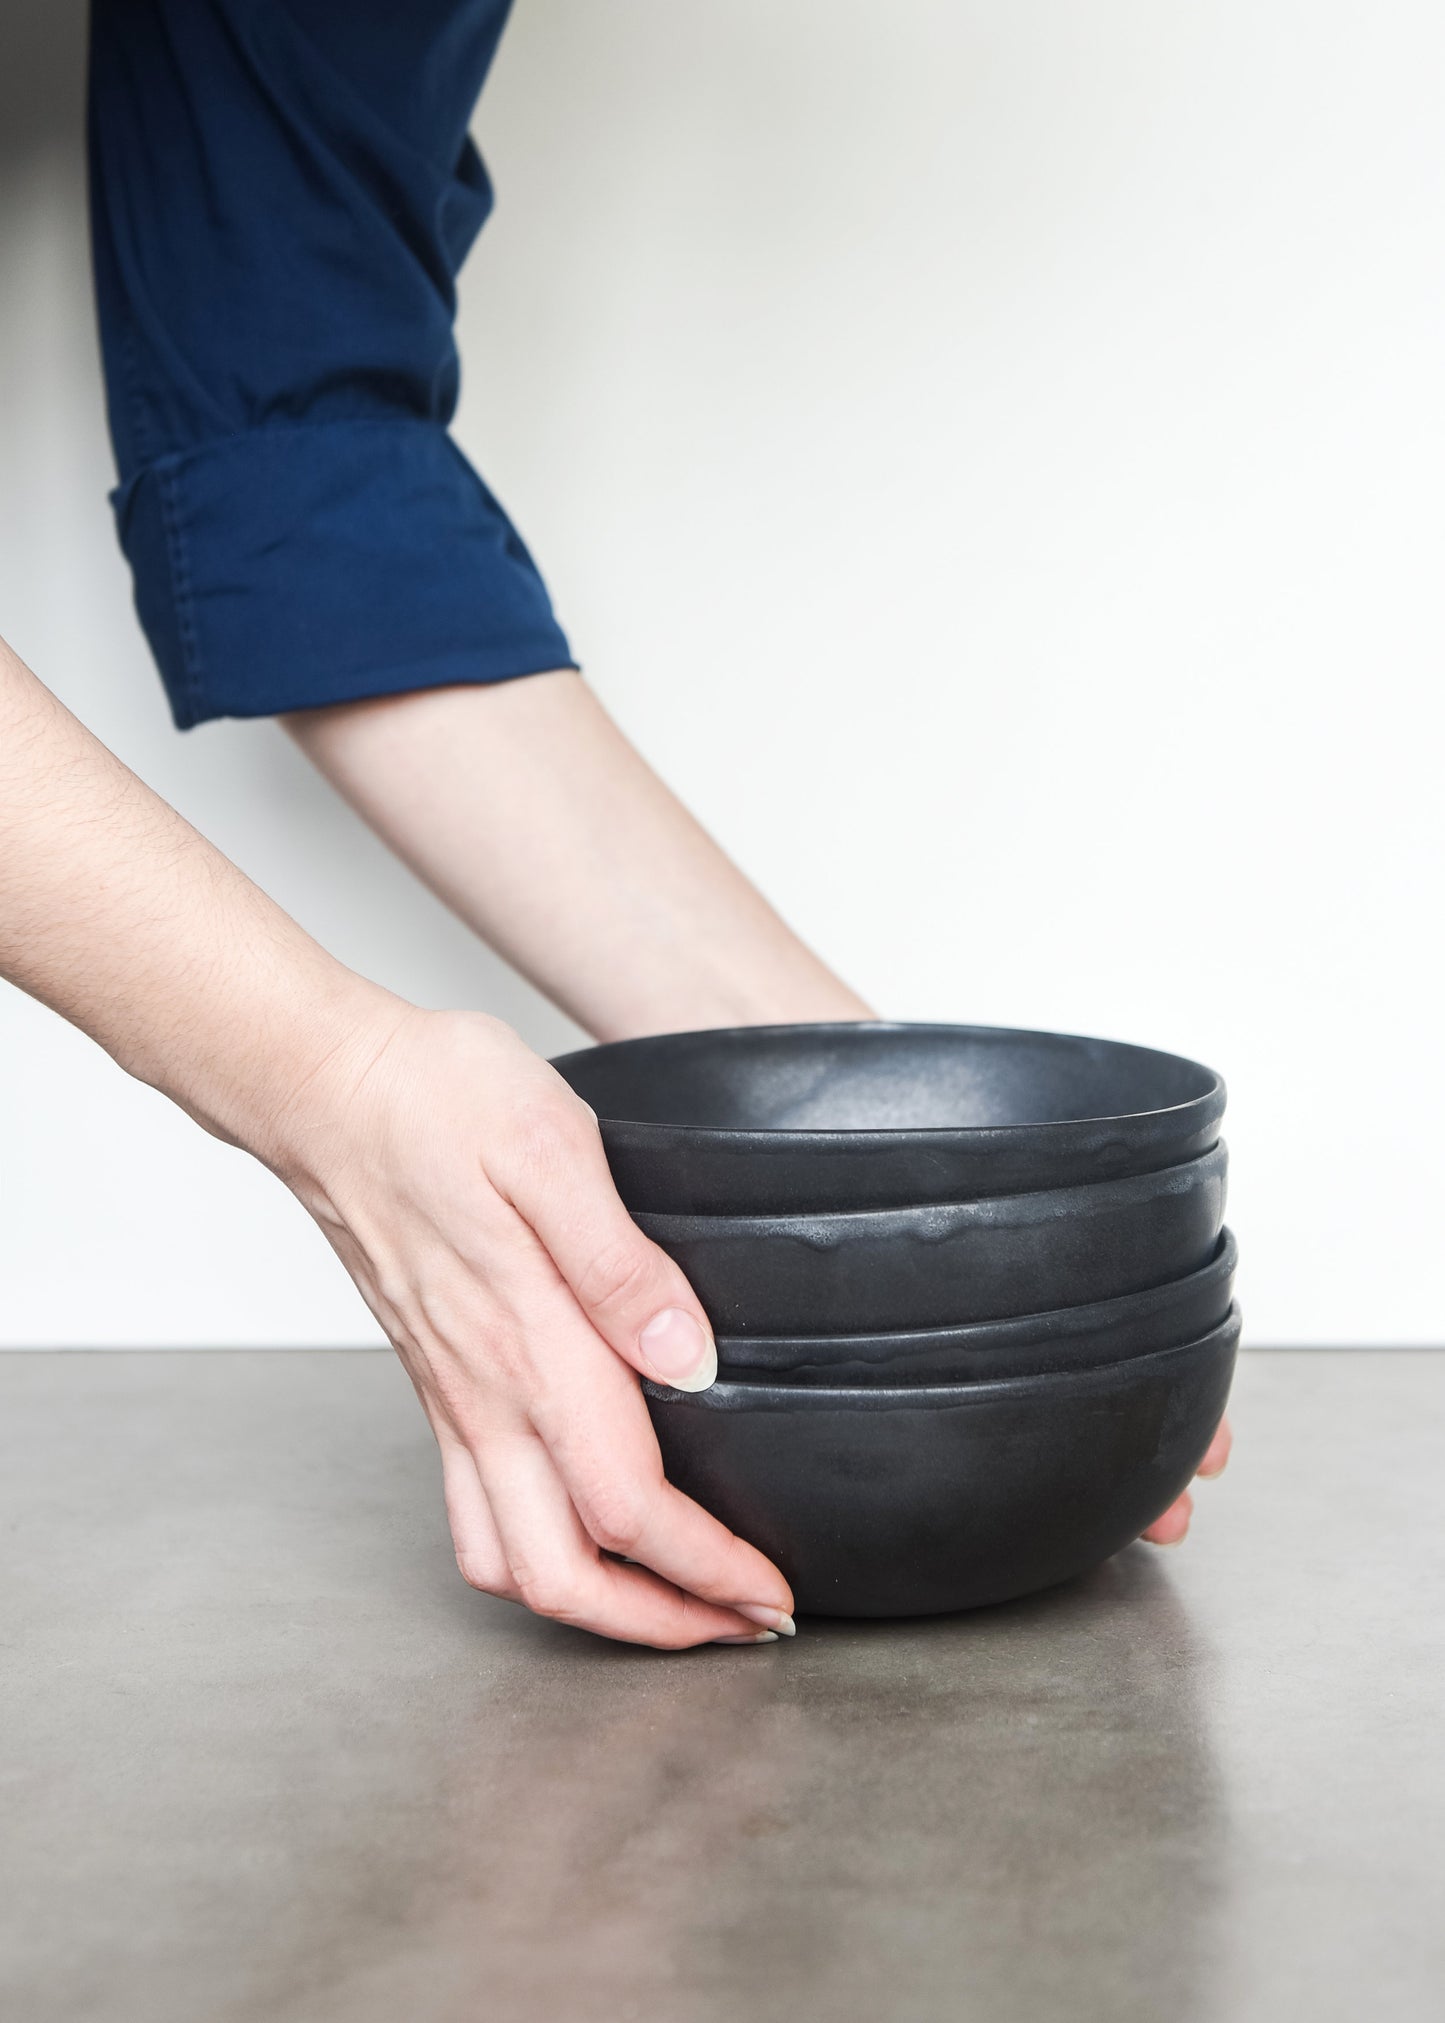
[{"x": 832, "y": 1078}]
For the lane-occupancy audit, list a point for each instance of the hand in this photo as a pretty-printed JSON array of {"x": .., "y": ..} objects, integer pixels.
[
  {"x": 461, "y": 1181},
  {"x": 465, "y": 1189},
  {"x": 1171, "y": 1528}
]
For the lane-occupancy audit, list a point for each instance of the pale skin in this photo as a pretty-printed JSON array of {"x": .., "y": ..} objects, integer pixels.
[{"x": 460, "y": 1182}]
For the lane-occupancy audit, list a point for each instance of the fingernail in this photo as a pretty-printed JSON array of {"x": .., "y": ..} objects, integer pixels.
[
  {"x": 773, "y": 1619},
  {"x": 677, "y": 1351},
  {"x": 762, "y": 1637},
  {"x": 1167, "y": 1544}
]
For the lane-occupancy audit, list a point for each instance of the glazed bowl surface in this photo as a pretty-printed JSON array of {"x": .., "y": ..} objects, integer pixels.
[
  {"x": 771, "y": 1119},
  {"x": 913, "y": 1500},
  {"x": 864, "y": 1271},
  {"x": 1067, "y": 1338}
]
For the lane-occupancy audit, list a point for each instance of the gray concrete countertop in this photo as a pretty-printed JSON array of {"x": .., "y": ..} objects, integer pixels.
[{"x": 264, "y": 1759}]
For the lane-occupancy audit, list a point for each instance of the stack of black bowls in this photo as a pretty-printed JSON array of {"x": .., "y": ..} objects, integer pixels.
[{"x": 971, "y": 1288}]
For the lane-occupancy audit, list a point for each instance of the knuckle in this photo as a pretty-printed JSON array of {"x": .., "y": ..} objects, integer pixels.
[
  {"x": 452, "y": 1397},
  {"x": 548, "y": 1593},
  {"x": 459, "y": 1407},
  {"x": 481, "y": 1573},
  {"x": 473, "y": 1334},
  {"x": 548, "y": 1135},
  {"x": 617, "y": 1276},
  {"x": 616, "y": 1516}
]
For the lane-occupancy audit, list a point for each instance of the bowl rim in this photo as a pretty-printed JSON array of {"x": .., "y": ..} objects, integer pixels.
[
  {"x": 873, "y": 1138},
  {"x": 1224, "y": 1264},
  {"x": 658, "y": 1223},
  {"x": 728, "y": 1393}
]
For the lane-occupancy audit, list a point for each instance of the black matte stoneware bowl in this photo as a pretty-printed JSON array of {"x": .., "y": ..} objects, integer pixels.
[
  {"x": 1069, "y": 1338},
  {"x": 768, "y": 1119},
  {"x": 868, "y": 1270},
  {"x": 913, "y": 1501}
]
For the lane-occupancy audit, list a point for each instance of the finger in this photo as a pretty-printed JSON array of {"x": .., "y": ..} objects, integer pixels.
[
  {"x": 1216, "y": 1458},
  {"x": 1172, "y": 1526},
  {"x": 480, "y": 1555},
  {"x": 480, "y": 1558},
  {"x": 556, "y": 1176},
  {"x": 555, "y": 1568},
  {"x": 597, "y": 1431}
]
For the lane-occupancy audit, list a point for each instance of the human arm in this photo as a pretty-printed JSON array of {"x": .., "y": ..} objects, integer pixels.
[
  {"x": 526, "y": 809},
  {"x": 460, "y": 1182}
]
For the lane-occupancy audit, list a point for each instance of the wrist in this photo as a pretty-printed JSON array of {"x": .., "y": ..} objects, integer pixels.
[
  {"x": 303, "y": 1109},
  {"x": 273, "y": 1073}
]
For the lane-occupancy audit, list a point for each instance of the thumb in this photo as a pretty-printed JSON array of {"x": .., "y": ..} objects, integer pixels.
[{"x": 633, "y": 1294}]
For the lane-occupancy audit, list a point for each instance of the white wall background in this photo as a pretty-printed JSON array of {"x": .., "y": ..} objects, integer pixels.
[{"x": 991, "y": 459}]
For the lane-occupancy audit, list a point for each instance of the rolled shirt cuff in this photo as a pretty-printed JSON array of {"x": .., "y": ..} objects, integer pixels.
[{"x": 294, "y": 566}]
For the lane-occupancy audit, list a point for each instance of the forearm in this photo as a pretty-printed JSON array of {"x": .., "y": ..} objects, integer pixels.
[
  {"x": 524, "y": 807},
  {"x": 115, "y": 912},
  {"x": 413, "y": 1138}
]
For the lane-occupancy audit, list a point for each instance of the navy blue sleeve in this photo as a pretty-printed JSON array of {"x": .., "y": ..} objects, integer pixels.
[{"x": 282, "y": 194}]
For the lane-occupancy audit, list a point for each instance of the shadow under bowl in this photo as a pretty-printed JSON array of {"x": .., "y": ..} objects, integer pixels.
[
  {"x": 869, "y": 1270},
  {"x": 921, "y": 1500},
  {"x": 1068, "y": 1338},
  {"x": 768, "y": 1119}
]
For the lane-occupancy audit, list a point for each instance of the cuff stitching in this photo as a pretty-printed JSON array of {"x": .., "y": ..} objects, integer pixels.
[{"x": 178, "y": 557}]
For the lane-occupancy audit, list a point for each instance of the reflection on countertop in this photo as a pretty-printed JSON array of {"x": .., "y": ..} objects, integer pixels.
[{"x": 266, "y": 1757}]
